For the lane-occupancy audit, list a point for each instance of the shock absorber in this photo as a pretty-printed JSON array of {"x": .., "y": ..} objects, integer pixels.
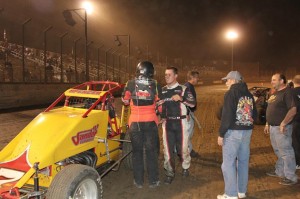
[{"x": 36, "y": 179}]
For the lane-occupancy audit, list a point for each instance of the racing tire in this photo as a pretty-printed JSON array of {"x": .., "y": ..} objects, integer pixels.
[
  {"x": 261, "y": 116},
  {"x": 127, "y": 148},
  {"x": 76, "y": 181}
]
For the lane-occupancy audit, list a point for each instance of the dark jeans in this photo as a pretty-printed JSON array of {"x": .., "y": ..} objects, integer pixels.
[
  {"x": 296, "y": 140},
  {"x": 144, "y": 135}
]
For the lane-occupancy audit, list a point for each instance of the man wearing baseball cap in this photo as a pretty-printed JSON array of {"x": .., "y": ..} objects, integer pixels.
[{"x": 237, "y": 119}]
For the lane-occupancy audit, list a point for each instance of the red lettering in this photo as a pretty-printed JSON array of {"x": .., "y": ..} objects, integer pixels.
[{"x": 85, "y": 136}]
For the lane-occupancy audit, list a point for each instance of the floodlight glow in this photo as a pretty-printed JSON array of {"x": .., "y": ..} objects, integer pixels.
[
  {"x": 232, "y": 35},
  {"x": 88, "y": 7}
]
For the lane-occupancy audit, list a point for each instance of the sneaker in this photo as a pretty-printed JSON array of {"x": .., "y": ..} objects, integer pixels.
[
  {"x": 273, "y": 174},
  {"x": 139, "y": 186},
  {"x": 194, "y": 154},
  {"x": 168, "y": 180},
  {"x": 224, "y": 196},
  {"x": 154, "y": 184},
  {"x": 185, "y": 173},
  {"x": 287, "y": 182},
  {"x": 297, "y": 166},
  {"x": 242, "y": 195}
]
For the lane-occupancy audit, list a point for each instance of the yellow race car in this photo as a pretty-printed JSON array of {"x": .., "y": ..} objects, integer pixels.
[{"x": 65, "y": 150}]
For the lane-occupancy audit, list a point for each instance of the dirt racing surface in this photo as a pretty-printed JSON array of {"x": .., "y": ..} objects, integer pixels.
[{"x": 205, "y": 180}]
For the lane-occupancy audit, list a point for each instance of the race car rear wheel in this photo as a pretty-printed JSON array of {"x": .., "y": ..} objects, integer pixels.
[
  {"x": 127, "y": 147},
  {"x": 76, "y": 181}
]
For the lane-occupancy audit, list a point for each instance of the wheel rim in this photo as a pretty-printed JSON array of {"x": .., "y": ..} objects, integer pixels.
[{"x": 87, "y": 189}]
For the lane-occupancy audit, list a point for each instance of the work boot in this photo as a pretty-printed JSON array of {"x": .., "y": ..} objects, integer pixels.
[
  {"x": 185, "y": 173},
  {"x": 194, "y": 154},
  {"x": 154, "y": 184},
  {"x": 139, "y": 186},
  {"x": 273, "y": 174},
  {"x": 168, "y": 180},
  {"x": 287, "y": 182}
]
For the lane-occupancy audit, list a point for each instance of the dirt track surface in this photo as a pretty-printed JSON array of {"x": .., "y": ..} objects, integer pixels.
[{"x": 205, "y": 180}]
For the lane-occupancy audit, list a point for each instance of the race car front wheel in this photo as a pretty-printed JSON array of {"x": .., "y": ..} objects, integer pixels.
[
  {"x": 76, "y": 181},
  {"x": 127, "y": 148}
]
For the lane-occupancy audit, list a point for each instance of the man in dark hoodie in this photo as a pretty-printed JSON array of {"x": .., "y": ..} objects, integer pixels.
[{"x": 235, "y": 132}]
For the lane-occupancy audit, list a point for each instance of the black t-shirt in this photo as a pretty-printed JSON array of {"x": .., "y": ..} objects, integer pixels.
[
  {"x": 279, "y": 104},
  {"x": 296, "y": 94}
]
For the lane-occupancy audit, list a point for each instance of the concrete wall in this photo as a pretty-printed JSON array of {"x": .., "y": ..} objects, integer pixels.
[{"x": 14, "y": 95}]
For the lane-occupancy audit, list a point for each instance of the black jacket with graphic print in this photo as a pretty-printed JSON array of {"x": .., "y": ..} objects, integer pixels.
[{"x": 239, "y": 111}]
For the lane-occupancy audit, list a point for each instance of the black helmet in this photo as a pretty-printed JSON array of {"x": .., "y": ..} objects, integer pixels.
[{"x": 145, "y": 69}]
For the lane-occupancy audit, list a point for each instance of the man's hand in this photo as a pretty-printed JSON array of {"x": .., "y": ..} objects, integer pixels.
[
  {"x": 282, "y": 128},
  {"x": 267, "y": 129},
  {"x": 220, "y": 141},
  {"x": 176, "y": 98},
  {"x": 162, "y": 120}
]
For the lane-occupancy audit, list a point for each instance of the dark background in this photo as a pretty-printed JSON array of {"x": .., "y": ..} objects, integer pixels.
[{"x": 186, "y": 29}]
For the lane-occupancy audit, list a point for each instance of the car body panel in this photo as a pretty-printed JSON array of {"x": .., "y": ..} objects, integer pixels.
[{"x": 57, "y": 134}]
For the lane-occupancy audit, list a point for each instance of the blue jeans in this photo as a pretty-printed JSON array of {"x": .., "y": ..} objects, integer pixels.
[
  {"x": 236, "y": 152},
  {"x": 282, "y": 145}
]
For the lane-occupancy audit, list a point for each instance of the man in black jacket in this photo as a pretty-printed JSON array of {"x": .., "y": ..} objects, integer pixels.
[{"x": 235, "y": 132}]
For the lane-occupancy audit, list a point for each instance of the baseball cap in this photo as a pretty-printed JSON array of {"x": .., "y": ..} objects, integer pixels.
[{"x": 233, "y": 75}]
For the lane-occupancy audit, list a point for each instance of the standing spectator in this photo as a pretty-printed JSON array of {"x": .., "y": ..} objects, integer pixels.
[
  {"x": 8, "y": 72},
  {"x": 296, "y": 121},
  {"x": 280, "y": 112},
  {"x": 235, "y": 132},
  {"x": 49, "y": 72},
  {"x": 193, "y": 77},
  {"x": 176, "y": 98},
  {"x": 70, "y": 74},
  {"x": 27, "y": 75},
  {"x": 82, "y": 76},
  {"x": 141, "y": 94}
]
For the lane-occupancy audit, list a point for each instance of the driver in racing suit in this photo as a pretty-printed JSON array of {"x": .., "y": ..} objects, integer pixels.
[
  {"x": 175, "y": 117},
  {"x": 141, "y": 94}
]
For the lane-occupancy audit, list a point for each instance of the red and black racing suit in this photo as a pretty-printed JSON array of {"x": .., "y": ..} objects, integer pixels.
[
  {"x": 142, "y": 95},
  {"x": 175, "y": 132}
]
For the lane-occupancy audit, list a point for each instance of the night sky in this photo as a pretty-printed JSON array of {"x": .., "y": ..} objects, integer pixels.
[{"x": 189, "y": 29}]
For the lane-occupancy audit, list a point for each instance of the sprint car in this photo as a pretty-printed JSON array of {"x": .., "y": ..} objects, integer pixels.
[
  {"x": 261, "y": 96},
  {"x": 64, "y": 152}
]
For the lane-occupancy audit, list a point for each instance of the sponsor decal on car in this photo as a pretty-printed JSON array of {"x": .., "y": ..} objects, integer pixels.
[{"x": 85, "y": 136}]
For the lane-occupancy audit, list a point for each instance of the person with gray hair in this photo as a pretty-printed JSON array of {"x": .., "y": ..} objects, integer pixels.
[
  {"x": 235, "y": 132},
  {"x": 296, "y": 121}
]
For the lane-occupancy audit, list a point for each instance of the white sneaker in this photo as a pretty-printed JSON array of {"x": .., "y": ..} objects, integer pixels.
[
  {"x": 297, "y": 166},
  {"x": 224, "y": 196},
  {"x": 242, "y": 195}
]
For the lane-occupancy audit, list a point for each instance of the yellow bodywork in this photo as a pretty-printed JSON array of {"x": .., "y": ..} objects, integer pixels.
[{"x": 57, "y": 134}]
